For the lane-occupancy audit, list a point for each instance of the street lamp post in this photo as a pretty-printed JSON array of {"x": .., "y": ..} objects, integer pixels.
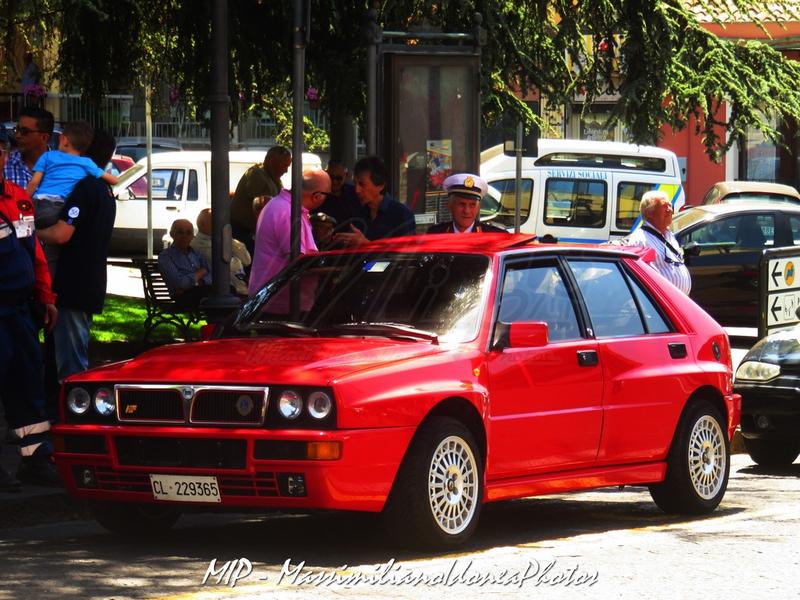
[{"x": 221, "y": 301}]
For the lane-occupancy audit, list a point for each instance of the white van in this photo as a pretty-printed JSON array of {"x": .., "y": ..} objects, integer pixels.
[
  {"x": 577, "y": 190},
  {"x": 181, "y": 189}
]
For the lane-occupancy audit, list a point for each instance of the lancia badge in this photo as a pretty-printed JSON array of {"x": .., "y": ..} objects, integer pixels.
[
  {"x": 187, "y": 393},
  {"x": 244, "y": 405}
]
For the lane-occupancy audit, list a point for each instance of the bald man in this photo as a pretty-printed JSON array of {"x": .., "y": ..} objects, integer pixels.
[
  {"x": 186, "y": 272},
  {"x": 273, "y": 231}
]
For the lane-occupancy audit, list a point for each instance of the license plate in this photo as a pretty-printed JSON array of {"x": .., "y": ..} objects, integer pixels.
[{"x": 185, "y": 488}]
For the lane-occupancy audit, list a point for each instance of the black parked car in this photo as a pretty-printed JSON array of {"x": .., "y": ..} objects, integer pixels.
[
  {"x": 768, "y": 378},
  {"x": 730, "y": 239}
]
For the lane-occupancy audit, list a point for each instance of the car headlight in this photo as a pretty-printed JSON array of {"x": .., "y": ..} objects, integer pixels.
[
  {"x": 78, "y": 400},
  {"x": 104, "y": 402},
  {"x": 290, "y": 404},
  {"x": 319, "y": 405},
  {"x": 757, "y": 371}
]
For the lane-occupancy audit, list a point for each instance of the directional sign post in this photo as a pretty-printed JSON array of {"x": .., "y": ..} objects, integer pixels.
[{"x": 779, "y": 290}]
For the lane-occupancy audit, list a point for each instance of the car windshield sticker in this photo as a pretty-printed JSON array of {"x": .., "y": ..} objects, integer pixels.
[{"x": 376, "y": 266}]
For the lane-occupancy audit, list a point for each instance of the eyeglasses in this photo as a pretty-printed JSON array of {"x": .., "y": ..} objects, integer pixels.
[
  {"x": 25, "y": 131},
  {"x": 183, "y": 232}
]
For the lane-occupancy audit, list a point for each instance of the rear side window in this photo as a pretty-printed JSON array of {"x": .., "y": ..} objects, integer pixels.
[
  {"x": 794, "y": 223},
  {"x": 192, "y": 192},
  {"x": 629, "y": 195},
  {"x": 575, "y": 203},
  {"x": 612, "y": 308}
]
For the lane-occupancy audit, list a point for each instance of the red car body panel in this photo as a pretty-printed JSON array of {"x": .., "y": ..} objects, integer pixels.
[{"x": 545, "y": 425}]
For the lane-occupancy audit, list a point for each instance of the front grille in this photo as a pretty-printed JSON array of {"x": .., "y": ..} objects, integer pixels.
[
  {"x": 181, "y": 452},
  {"x": 234, "y": 406},
  {"x": 85, "y": 444},
  {"x": 262, "y": 484},
  {"x": 140, "y": 403}
]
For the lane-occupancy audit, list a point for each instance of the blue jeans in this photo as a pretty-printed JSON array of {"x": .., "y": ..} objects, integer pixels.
[{"x": 71, "y": 338}]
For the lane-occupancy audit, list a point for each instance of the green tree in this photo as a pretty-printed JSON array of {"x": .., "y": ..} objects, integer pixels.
[{"x": 654, "y": 53}]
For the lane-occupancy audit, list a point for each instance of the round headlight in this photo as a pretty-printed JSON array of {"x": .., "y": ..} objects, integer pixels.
[
  {"x": 757, "y": 371},
  {"x": 319, "y": 405},
  {"x": 104, "y": 402},
  {"x": 290, "y": 404},
  {"x": 78, "y": 400}
]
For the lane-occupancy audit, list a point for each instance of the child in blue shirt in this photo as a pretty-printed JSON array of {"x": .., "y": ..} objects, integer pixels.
[{"x": 55, "y": 174}]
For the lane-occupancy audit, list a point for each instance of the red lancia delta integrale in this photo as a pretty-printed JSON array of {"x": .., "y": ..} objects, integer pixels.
[{"x": 420, "y": 377}]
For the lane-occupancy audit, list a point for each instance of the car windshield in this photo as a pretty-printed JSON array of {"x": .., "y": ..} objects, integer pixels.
[
  {"x": 433, "y": 297},
  {"x": 683, "y": 219},
  {"x": 760, "y": 196}
]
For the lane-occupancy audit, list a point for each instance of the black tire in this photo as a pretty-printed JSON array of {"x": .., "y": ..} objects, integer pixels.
[
  {"x": 410, "y": 512},
  {"x": 772, "y": 453},
  {"x": 133, "y": 519},
  {"x": 698, "y": 463}
]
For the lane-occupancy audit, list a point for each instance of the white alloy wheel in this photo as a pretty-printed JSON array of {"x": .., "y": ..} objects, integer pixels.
[
  {"x": 453, "y": 485},
  {"x": 707, "y": 457}
]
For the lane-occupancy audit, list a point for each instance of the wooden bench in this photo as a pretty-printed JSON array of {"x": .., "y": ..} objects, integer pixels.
[{"x": 161, "y": 307}]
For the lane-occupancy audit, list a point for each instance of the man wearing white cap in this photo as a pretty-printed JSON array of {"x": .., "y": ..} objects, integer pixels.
[{"x": 464, "y": 193}]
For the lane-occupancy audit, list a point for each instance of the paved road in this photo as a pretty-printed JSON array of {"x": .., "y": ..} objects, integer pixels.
[{"x": 617, "y": 539}]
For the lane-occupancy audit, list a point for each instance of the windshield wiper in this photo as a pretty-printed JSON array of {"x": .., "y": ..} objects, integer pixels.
[
  {"x": 284, "y": 327},
  {"x": 392, "y": 330}
]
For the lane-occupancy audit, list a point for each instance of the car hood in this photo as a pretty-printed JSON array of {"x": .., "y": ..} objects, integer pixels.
[
  {"x": 314, "y": 361},
  {"x": 780, "y": 348}
]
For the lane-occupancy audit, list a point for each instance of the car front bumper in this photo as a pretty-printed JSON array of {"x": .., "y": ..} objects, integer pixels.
[
  {"x": 253, "y": 468},
  {"x": 770, "y": 410}
]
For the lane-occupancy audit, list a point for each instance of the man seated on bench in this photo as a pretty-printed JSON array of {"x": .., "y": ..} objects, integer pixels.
[{"x": 186, "y": 272}]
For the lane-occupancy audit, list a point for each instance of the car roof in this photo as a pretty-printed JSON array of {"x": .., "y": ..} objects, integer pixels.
[
  {"x": 484, "y": 243},
  {"x": 140, "y": 141},
  {"x": 742, "y": 207},
  {"x": 730, "y": 187}
]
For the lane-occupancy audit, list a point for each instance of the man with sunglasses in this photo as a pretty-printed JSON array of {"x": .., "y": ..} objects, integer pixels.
[
  {"x": 342, "y": 203},
  {"x": 273, "y": 230},
  {"x": 32, "y": 135},
  {"x": 656, "y": 211}
]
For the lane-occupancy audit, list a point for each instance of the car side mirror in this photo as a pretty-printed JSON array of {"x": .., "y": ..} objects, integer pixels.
[
  {"x": 692, "y": 249},
  {"x": 530, "y": 334}
]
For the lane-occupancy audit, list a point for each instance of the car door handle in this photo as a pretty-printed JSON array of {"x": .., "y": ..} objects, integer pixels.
[
  {"x": 677, "y": 350},
  {"x": 171, "y": 207},
  {"x": 587, "y": 358}
]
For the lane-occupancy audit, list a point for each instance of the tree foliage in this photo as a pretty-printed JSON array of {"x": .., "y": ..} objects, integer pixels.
[{"x": 664, "y": 65}]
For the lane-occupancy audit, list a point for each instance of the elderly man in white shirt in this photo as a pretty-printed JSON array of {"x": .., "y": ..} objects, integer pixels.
[{"x": 654, "y": 233}]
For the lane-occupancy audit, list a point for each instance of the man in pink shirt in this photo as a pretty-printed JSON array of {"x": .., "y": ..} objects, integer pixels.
[{"x": 273, "y": 230}]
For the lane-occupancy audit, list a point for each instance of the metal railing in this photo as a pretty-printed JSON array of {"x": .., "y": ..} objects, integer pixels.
[{"x": 117, "y": 115}]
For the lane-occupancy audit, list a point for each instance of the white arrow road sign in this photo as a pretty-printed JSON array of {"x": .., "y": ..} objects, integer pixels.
[
  {"x": 781, "y": 308},
  {"x": 783, "y": 274}
]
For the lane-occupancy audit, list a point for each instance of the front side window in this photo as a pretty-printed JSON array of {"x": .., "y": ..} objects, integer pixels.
[
  {"x": 167, "y": 185},
  {"x": 575, "y": 203},
  {"x": 538, "y": 293},
  {"x": 740, "y": 233},
  {"x": 500, "y": 203}
]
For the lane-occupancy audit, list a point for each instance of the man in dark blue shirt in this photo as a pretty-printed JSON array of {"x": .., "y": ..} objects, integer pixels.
[
  {"x": 83, "y": 233},
  {"x": 379, "y": 216}
]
